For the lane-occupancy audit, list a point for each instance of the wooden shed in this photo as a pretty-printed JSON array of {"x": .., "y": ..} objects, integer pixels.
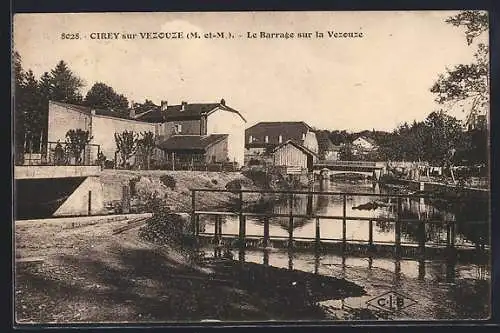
[{"x": 294, "y": 157}]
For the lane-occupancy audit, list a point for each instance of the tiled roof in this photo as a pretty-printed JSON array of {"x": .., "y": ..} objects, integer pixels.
[
  {"x": 289, "y": 130},
  {"x": 175, "y": 112},
  {"x": 116, "y": 113},
  {"x": 368, "y": 139},
  {"x": 155, "y": 115},
  {"x": 298, "y": 146},
  {"x": 324, "y": 142},
  {"x": 191, "y": 142}
]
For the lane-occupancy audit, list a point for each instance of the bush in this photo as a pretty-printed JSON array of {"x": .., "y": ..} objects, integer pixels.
[
  {"x": 165, "y": 227},
  {"x": 254, "y": 161},
  {"x": 214, "y": 181},
  {"x": 109, "y": 164},
  {"x": 168, "y": 181},
  {"x": 234, "y": 185}
]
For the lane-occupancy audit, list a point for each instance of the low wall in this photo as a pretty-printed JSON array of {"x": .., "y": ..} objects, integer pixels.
[
  {"x": 87, "y": 199},
  {"x": 55, "y": 171}
]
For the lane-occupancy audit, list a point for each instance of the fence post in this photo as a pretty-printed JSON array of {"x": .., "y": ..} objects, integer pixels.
[
  {"x": 90, "y": 203},
  {"x": 125, "y": 199},
  {"x": 318, "y": 234},
  {"x": 370, "y": 233},
  {"x": 344, "y": 221},
  {"x": 266, "y": 232},
  {"x": 242, "y": 230},
  {"x": 450, "y": 234},
  {"x": 421, "y": 237},
  {"x": 193, "y": 214},
  {"x": 290, "y": 222},
  {"x": 398, "y": 227}
]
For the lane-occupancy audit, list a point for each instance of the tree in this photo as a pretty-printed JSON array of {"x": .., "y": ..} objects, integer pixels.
[
  {"x": 475, "y": 21},
  {"x": 104, "y": 97},
  {"x": 467, "y": 83},
  {"x": 18, "y": 84},
  {"x": 346, "y": 153},
  {"x": 45, "y": 88},
  {"x": 76, "y": 141},
  {"x": 143, "y": 107},
  {"x": 444, "y": 136},
  {"x": 146, "y": 145},
  {"x": 31, "y": 105},
  {"x": 65, "y": 85},
  {"x": 126, "y": 144}
]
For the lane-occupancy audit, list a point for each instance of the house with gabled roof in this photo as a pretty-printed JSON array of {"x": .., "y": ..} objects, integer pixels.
[
  {"x": 294, "y": 157},
  {"x": 201, "y": 119},
  {"x": 204, "y": 131},
  {"x": 365, "y": 143},
  {"x": 263, "y": 137}
]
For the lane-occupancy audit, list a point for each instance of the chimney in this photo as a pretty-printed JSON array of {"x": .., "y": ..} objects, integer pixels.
[
  {"x": 164, "y": 105},
  {"x": 223, "y": 102},
  {"x": 183, "y": 106},
  {"x": 132, "y": 110}
]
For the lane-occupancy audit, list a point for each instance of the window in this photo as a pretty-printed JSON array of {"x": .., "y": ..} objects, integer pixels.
[
  {"x": 250, "y": 139},
  {"x": 280, "y": 139},
  {"x": 266, "y": 139},
  {"x": 178, "y": 128}
]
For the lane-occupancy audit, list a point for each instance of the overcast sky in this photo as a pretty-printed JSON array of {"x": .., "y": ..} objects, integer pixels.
[{"x": 377, "y": 81}]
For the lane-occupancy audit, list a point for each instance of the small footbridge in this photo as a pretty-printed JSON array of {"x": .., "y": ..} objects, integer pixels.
[{"x": 325, "y": 169}]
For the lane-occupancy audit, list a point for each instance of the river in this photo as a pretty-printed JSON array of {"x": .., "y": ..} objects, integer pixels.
[{"x": 439, "y": 288}]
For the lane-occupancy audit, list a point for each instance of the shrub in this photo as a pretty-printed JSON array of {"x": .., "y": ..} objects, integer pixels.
[
  {"x": 109, "y": 164},
  {"x": 234, "y": 185},
  {"x": 168, "y": 181},
  {"x": 214, "y": 181},
  {"x": 165, "y": 227},
  {"x": 254, "y": 161}
]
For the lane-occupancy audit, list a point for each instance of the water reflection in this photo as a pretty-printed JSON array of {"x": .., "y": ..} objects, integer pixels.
[
  {"x": 443, "y": 288},
  {"x": 467, "y": 220}
]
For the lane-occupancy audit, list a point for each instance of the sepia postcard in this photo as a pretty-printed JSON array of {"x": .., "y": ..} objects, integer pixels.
[{"x": 235, "y": 167}]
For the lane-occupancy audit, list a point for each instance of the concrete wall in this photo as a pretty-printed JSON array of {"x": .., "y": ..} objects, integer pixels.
[
  {"x": 62, "y": 119},
  {"x": 224, "y": 122},
  {"x": 78, "y": 201},
  {"x": 59, "y": 171},
  {"x": 104, "y": 129}
]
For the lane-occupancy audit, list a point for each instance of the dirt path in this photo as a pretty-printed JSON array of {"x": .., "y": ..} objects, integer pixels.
[{"x": 85, "y": 273}]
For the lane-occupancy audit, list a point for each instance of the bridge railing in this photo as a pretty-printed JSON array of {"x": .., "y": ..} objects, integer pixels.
[
  {"x": 398, "y": 221},
  {"x": 366, "y": 164},
  {"x": 61, "y": 153}
]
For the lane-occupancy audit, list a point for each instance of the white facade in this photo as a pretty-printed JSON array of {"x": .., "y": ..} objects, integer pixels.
[
  {"x": 104, "y": 129},
  {"x": 62, "y": 119},
  {"x": 224, "y": 122},
  {"x": 363, "y": 143},
  {"x": 311, "y": 142}
]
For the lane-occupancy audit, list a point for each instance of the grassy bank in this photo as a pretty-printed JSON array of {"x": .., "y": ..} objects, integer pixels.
[{"x": 178, "y": 196}]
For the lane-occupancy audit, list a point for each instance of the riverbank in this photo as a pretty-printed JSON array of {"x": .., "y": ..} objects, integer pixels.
[
  {"x": 176, "y": 190},
  {"x": 442, "y": 189},
  {"x": 89, "y": 274}
]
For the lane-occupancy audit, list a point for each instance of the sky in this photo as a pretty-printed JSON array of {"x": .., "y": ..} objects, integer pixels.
[{"x": 375, "y": 82}]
